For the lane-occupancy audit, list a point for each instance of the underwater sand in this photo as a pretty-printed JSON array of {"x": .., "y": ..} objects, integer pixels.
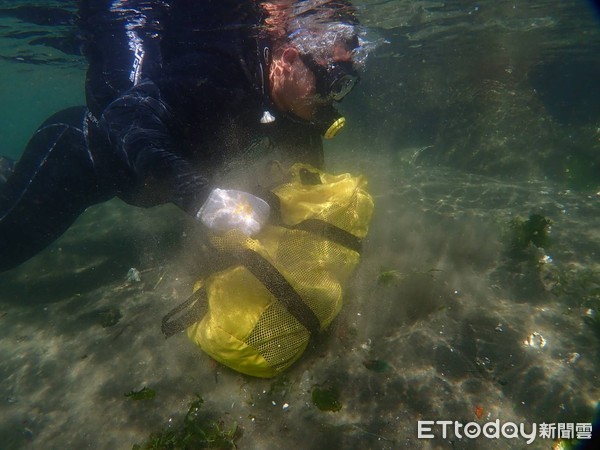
[{"x": 450, "y": 326}]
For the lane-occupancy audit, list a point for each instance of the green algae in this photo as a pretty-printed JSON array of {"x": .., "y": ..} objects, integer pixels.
[
  {"x": 376, "y": 365},
  {"x": 326, "y": 398},
  {"x": 143, "y": 394},
  {"x": 389, "y": 277},
  {"x": 196, "y": 431},
  {"x": 522, "y": 234}
]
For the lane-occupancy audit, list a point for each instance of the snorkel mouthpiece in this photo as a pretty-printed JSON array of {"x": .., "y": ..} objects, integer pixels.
[
  {"x": 335, "y": 128},
  {"x": 328, "y": 121}
]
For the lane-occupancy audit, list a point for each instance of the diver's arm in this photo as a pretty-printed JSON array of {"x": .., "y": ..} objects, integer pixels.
[
  {"x": 137, "y": 125},
  {"x": 139, "y": 129}
]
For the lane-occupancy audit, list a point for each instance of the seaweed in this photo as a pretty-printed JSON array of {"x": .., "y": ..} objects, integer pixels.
[
  {"x": 578, "y": 285},
  {"x": 195, "y": 432},
  {"x": 387, "y": 277},
  {"x": 523, "y": 234},
  {"x": 143, "y": 394},
  {"x": 327, "y": 398},
  {"x": 376, "y": 365}
]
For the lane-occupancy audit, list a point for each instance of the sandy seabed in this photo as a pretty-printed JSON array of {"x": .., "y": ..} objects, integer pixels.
[{"x": 438, "y": 324}]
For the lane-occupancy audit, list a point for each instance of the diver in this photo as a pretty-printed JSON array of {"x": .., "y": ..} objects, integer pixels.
[{"x": 175, "y": 91}]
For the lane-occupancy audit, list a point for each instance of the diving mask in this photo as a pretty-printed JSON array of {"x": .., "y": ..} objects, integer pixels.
[{"x": 333, "y": 81}]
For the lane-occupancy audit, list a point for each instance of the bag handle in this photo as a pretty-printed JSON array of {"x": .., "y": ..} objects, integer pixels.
[
  {"x": 281, "y": 289},
  {"x": 169, "y": 326}
]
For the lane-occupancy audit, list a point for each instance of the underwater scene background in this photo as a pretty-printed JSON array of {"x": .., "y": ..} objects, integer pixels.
[{"x": 477, "y": 125}]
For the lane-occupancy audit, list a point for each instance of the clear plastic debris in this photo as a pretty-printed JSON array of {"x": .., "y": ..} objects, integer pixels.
[
  {"x": 229, "y": 209},
  {"x": 133, "y": 275}
]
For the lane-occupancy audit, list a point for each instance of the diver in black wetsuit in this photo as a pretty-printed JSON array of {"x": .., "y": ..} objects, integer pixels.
[{"x": 176, "y": 89}]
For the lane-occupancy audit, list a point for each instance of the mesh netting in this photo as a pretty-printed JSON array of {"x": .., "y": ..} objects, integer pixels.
[{"x": 278, "y": 337}]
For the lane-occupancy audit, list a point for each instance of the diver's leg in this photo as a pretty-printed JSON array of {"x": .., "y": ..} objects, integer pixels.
[{"x": 51, "y": 185}]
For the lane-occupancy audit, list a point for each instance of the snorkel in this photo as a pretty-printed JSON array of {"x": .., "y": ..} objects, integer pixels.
[{"x": 328, "y": 121}]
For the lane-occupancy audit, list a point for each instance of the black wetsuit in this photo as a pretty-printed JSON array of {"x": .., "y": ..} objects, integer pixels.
[{"x": 175, "y": 89}]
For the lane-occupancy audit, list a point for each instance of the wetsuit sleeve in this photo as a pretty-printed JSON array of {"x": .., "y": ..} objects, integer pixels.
[{"x": 140, "y": 129}]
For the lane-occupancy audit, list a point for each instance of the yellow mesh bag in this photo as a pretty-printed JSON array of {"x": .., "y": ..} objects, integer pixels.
[{"x": 288, "y": 280}]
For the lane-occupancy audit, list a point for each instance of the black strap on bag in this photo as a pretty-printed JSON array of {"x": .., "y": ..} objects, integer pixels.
[
  {"x": 331, "y": 233},
  {"x": 281, "y": 289},
  {"x": 316, "y": 226},
  {"x": 194, "y": 306}
]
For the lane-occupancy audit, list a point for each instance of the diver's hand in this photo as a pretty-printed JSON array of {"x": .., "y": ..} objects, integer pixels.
[{"x": 228, "y": 209}]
